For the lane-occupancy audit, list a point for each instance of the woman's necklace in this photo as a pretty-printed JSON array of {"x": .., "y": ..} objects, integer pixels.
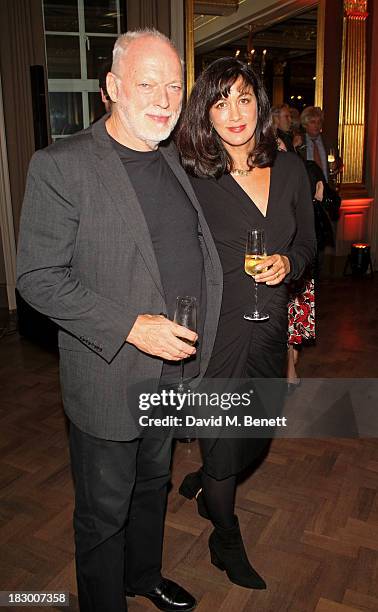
[{"x": 240, "y": 172}]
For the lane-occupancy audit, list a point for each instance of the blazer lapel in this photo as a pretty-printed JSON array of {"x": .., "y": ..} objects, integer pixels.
[{"x": 123, "y": 196}]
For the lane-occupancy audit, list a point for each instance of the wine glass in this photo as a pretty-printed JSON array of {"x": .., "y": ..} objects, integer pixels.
[
  {"x": 331, "y": 157},
  {"x": 185, "y": 315},
  {"x": 255, "y": 253}
]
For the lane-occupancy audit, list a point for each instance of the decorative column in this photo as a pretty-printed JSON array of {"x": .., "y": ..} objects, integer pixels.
[
  {"x": 278, "y": 82},
  {"x": 189, "y": 44},
  {"x": 352, "y": 90},
  {"x": 320, "y": 54}
]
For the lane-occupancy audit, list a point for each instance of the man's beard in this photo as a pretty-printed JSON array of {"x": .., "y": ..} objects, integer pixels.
[{"x": 136, "y": 124}]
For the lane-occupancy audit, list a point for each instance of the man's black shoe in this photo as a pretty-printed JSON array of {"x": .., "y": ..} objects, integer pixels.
[{"x": 169, "y": 597}]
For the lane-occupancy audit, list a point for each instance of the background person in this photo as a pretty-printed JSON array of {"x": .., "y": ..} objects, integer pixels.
[
  {"x": 317, "y": 146},
  {"x": 302, "y": 299},
  {"x": 301, "y": 304},
  {"x": 282, "y": 126},
  {"x": 296, "y": 128}
]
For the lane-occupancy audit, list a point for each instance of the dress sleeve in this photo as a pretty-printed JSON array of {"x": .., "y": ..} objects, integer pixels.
[{"x": 303, "y": 249}]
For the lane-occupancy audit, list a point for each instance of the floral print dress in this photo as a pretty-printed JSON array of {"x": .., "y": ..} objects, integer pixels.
[{"x": 301, "y": 314}]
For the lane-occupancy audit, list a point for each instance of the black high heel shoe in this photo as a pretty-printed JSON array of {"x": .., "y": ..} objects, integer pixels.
[
  {"x": 228, "y": 554},
  {"x": 191, "y": 487}
]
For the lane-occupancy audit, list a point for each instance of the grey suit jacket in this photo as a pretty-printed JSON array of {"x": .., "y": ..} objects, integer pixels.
[{"x": 86, "y": 260}]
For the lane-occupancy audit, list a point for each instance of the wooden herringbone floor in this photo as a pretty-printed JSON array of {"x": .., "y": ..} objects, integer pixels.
[{"x": 309, "y": 514}]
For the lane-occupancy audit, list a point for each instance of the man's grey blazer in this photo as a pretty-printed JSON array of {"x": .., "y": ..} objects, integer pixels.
[{"x": 86, "y": 260}]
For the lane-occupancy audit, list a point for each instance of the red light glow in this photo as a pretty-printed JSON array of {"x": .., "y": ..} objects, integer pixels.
[{"x": 360, "y": 245}]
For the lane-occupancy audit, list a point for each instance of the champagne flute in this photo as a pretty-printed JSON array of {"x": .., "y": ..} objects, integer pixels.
[
  {"x": 255, "y": 253},
  {"x": 185, "y": 315},
  {"x": 331, "y": 157}
]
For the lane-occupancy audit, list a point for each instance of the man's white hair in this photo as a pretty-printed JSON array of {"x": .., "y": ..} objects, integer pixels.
[
  {"x": 123, "y": 42},
  {"x": 311, "y": 112}
]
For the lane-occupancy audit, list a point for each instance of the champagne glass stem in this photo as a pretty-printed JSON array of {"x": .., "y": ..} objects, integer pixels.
[
  {"x": 180, "y": 388},
  {"x": 254, "y": 281}
]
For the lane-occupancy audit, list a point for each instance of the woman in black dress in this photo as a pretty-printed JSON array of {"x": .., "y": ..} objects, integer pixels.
[{"x": 228, "y": 147}]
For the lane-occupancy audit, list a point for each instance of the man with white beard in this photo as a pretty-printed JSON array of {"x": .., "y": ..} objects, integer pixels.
[{"x": 111, "y": 234}]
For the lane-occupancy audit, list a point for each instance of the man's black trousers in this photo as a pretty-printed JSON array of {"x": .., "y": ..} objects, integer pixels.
[{"x": 120, "y": 504}]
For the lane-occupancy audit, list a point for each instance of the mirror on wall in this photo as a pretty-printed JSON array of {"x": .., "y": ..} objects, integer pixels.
[{"x": 281, "y": 48}]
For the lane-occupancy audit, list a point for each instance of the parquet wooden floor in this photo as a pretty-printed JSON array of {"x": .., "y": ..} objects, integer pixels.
[{"x": 309, "y": 514}]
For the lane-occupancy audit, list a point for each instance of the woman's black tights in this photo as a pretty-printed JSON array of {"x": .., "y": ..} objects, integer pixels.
[{"x": 219, "y": 497}]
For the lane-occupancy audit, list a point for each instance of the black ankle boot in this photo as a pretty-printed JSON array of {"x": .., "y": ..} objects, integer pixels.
[
  {"x": 191, "y": 487},
  {"x": 228, "y": 554}
]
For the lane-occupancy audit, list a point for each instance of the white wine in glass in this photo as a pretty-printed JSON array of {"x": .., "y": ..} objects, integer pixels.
[
  {"x": 250, "y": 263},
  {"x": 255, "y": 253}
]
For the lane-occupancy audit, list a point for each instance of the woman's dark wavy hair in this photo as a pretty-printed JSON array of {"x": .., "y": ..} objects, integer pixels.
[{"x": 202, "y": 151}]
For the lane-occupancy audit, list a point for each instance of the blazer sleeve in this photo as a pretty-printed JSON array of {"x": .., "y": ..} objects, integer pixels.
[
  {"x": 303, "y": 249},
  {"x": 47, "y": 239}
]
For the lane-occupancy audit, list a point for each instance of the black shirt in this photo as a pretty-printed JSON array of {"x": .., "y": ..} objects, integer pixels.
[{"x": 173, "y": 225}]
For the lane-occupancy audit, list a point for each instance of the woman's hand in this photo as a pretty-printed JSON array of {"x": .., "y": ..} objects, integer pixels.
[
  {"x": 279, "y": 267},
  {"x": 297, "y": 140},
  {"x": 280, "y": 144}
]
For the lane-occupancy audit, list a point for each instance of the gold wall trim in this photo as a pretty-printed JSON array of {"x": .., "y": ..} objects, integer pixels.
[
  {"x": 356, "y": 8},
  {"x": 216, "y": 7},
  {"x": 353, "y": 90},
  {"x": 320, "y": 54},
  {"x": 189, "y": 45}
]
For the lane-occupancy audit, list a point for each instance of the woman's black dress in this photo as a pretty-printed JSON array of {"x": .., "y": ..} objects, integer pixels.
[{"x": 249, "y": 349}]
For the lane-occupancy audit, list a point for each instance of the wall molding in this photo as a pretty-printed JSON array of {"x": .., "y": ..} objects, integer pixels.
[{"x": 6, "y": 215}]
